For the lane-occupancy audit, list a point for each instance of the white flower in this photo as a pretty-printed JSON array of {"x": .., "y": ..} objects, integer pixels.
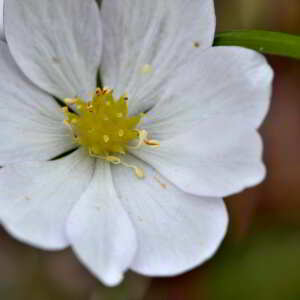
[{"x": 197, "y": 143}]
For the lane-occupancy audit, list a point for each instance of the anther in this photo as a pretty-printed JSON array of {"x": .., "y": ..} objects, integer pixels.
[
  {"x": 106, "y": 138},
  {"x": 106, "y": 90},
  {"x": 90, "y": 107},
  {"x": 139, "y": 172},
  {"x": 152, "y": 143},
  {"x": 70, "y": 100},
  {"x": 121, "y": 132}
]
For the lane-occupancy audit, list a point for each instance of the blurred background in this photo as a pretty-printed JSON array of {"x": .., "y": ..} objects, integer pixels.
[{"x": 260, "y": 257}]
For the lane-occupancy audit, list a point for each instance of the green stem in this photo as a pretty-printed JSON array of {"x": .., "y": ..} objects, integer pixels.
[{"x": 267, "y": 42}]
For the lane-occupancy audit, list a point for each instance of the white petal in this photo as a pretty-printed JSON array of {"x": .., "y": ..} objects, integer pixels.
[
  {"x": 36, "y": 198},
  {"x": 214, "y": 160},
  {"x": 1, "y": 21},
  {"x": 31, "y": 124},
  {"x": 206, "y": 123},
  {"x": 100, "y": 230},
  {"x": 56, "y": 43},
  {"x": 161, "y": 34},
  {"x": 176, "y": 231},
  {"x": 222, "y": 82}
]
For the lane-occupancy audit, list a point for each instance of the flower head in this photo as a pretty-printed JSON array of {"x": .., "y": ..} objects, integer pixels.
[{"x": 178, "y": 112}]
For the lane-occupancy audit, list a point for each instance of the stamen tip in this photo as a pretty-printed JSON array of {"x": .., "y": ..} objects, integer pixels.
[
  {"x": 152, "y": 143},
  {"x": 139, "y": 172},
  {"x": 70, "y": 100},
  {"x": 106, "y": 90}
]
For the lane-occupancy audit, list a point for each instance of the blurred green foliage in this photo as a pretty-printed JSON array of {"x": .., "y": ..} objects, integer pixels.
[{"x": 265, "y": 266}]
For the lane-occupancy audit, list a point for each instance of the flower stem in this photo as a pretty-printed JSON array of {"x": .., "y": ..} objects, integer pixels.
[{"x": 267, "y": 42}]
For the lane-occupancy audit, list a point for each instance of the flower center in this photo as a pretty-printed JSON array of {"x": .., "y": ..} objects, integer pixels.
[{"x": 104, "y": 128}]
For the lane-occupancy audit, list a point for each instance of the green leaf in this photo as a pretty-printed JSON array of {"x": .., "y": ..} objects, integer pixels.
[{"x": 268, "y": 42}]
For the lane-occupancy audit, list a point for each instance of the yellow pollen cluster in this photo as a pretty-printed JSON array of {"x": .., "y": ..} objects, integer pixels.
[{"x": 103, "y": 126}]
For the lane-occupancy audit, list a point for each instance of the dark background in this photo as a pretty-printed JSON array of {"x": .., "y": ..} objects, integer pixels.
[{"x": 260, "y": 258}]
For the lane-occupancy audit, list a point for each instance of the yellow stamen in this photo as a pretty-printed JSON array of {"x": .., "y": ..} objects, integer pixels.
[
  {"x": 70, "y": 100},
  {"x": 139, "y": 173},
  {"x": 106, "y": 90},
  {"x": 152, "y": 143},
  {"x": 103, "y": 126}
]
